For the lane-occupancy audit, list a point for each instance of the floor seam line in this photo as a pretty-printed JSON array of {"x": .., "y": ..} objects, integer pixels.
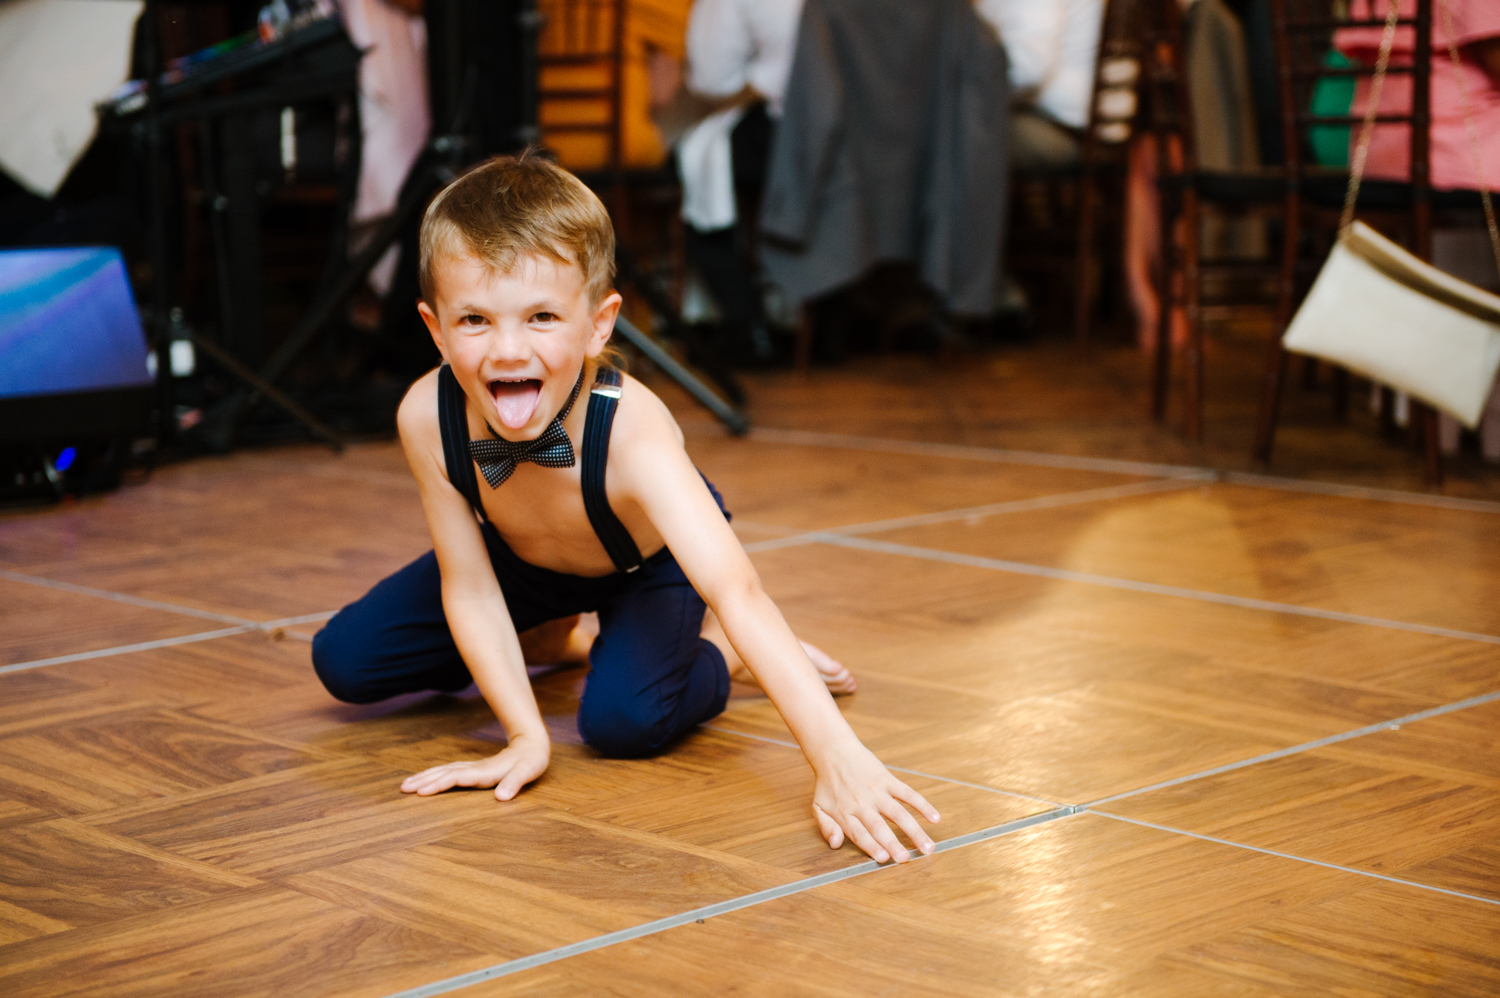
[
  {"x": 1343, "y": 736},
  {"x": 900, "y": 769},
  {"x": 1291, "y": 856},
  {"x": 1032, "y": 504},
  {"x": 140, "y": 601},
  {"x": 82, "y": 656},
  {"x": 265, "y": 627},
  {"x": 1000, "y": 455},
  {"x": 711, "y": 911},
  {"x": 1133, "y": 585}
]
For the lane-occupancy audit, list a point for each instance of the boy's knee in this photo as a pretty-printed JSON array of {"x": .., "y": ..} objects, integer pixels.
[
  {"x": 628, "y": 728},
  {"x": 338, "y": 667}
]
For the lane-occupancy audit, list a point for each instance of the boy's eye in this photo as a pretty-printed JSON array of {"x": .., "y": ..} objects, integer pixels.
[
  {"x": 472, "y": 320},
  {"x": 544, "y": 317}
]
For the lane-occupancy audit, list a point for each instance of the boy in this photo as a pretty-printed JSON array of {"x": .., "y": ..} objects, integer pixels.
[{"x": 517, "y": 258}]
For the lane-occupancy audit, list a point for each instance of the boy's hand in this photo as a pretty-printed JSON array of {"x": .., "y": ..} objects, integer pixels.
[
  {"x": 855, "y": 796},
  {"x": 520, "y": 762}
]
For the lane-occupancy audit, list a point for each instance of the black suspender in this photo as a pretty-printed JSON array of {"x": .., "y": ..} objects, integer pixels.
[
  {"x": 603, "y": 399},
  {"x": 453, "y": 421}
]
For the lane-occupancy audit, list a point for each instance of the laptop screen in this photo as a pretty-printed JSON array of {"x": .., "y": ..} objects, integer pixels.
[{"x": 68, "y": 323}]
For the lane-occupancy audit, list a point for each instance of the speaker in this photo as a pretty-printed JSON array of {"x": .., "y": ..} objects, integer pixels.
[{"x": 76, "y": 378}]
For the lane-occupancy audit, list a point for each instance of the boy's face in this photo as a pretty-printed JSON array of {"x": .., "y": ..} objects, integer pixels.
[{"x": 516, "y": 341}]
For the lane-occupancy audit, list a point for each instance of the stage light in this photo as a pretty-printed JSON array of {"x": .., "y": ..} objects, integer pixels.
[{"x": 66, "y": 458}]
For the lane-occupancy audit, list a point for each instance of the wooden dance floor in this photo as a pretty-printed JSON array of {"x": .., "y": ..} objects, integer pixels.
[{"x": 1191, "y": 734}]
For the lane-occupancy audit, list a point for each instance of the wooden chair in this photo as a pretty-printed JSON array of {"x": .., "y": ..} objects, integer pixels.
[
  {"x": 581, "y": 56},
  {"x": 1186, "y": 190},
  {"x": 1141, "y": 89},
  {"x": 1303, "y": 32},
  {"x": 1116, "y": 112}
]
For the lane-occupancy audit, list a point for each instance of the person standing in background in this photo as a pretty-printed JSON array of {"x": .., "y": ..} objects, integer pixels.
[{"x": 393, "y": 111}]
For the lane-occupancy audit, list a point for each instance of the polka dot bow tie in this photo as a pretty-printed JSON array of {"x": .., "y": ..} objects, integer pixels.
[{"x": 497, "y": 458}]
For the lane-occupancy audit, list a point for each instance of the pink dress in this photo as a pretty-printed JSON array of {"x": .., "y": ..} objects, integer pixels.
[{"x": 1390, "y": 148}]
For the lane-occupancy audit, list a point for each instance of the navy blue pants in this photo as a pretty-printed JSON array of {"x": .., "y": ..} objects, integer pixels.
[{"x": 652, "y": 677}]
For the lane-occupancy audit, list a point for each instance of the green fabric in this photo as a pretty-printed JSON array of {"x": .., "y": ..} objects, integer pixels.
[{"x": 1332, "y": 95}]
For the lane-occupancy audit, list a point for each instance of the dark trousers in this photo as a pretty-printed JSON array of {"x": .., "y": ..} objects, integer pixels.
[{"x": 652, "y": 677}]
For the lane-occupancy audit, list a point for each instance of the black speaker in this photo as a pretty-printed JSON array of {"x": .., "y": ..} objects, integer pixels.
[{"x": 77, "y": 383}]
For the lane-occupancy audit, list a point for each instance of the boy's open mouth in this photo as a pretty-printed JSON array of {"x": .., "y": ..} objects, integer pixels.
[{"x": 515, "y": 400}]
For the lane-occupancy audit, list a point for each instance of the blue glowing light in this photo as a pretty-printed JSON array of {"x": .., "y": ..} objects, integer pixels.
[{"x": 66, "y": 458}]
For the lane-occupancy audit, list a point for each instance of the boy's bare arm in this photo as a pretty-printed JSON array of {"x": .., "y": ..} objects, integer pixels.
[
  {"x": 477, "y": 616},
  {"x": 856, "y": 795}
]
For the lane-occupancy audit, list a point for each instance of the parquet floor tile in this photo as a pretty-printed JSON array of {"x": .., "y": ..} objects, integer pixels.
[
  {"x": 1083, "y": 905},
  {"x": 540, "y": 878},
  {"x": 36, "y": 698},
  {"x": 204, "y": 820},
  {"x": 226, "y": 670},
  {"x": 1387, "y": 803},
  {"x": 266, "y": 942},
  {"x": 298, "y": 819},
  {"x": 820, "y": 488},
  {"x": 38, "y": 623},
  {"x": 759, "y": 812},
  {"x": 77, "y": 875},
  {"x": 107, "y": 760},
  {"x": 1407, "y": 563},
  {"x": 1385, "y": 940}
]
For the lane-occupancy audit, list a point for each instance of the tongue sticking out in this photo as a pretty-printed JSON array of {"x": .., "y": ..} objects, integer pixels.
[{"x": 515, "y": 401}]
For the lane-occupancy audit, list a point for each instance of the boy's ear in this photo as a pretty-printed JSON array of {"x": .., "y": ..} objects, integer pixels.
[
  {"x": 431, "y": 320},
  {"x": 604, "y": 323}
]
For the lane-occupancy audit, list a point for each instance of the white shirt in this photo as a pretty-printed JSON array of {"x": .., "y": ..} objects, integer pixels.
[
  {"x": 1052, "y": 46},
  {"x": 731, "y": 43}
]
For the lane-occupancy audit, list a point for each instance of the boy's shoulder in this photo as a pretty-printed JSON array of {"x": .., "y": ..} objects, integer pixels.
[
  {"x": 643, "y": 421},
  {"x": 417, "y": 418}
]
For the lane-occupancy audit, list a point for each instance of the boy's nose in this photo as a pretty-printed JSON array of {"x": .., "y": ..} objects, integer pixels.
[{"x": 508, "y": 346}]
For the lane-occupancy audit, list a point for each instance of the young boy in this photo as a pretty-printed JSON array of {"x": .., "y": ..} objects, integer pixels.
[{"x": 517, "y": 258}]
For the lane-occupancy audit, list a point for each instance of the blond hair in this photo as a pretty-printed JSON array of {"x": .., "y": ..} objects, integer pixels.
[{"x": 513, "y": 207}]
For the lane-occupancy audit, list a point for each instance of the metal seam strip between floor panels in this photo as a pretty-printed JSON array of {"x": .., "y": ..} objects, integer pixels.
[
  {"x": 998, "y": 455},
  {"x": 1292, "y": 856},
  {"x": 1344, "y": 736},
  {"x": 1318, "y": 743},
  {"x": 897, "y": 769},
  {"x": 184, "y": 639},
  {"x": 149, "y": 604},
  {"x": 989, "y": 509},
  {"x": 1153, "y": 588},
  {"x": 710, "y": 911},
  {"x": 181, "y": 639}
]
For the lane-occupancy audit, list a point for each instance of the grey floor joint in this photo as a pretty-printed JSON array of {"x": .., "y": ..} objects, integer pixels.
[
  {"x": 711, "y": 911},
  {"x": 1292, "y": 856},
  {"x": 1000, "y": 455},
  {"x": 1133, "y": 585},
  {"x": 265, "y": 627}
]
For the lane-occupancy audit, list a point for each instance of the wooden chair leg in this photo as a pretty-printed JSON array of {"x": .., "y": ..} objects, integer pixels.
[
  {"x": 1192, "y": 361},
  {"x": 1162, "y": 377},
  {"x": 1388, "y": 427},
  {"x": 802, "y": 359},
  {"x": 1161, "y": 386},
  {"x": 1432, "y": 448},
  {"x": 1083, "y": 275},
  {"x": 1341, "y": 394},
  {"x": 1270, "y": 402},
  {"x": 1310, "y": 373}
]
